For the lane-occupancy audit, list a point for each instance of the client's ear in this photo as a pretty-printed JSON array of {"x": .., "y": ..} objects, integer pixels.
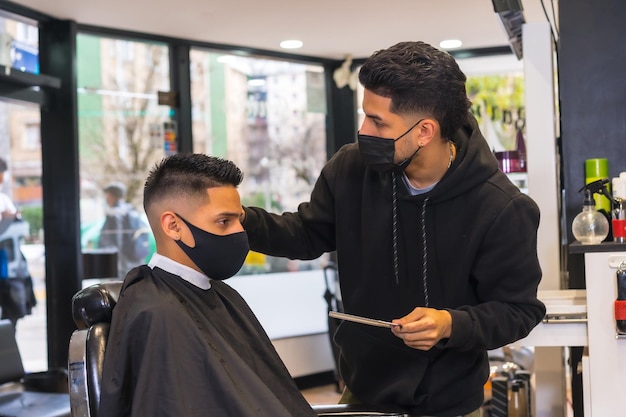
[{"x": 170, "y": 224}]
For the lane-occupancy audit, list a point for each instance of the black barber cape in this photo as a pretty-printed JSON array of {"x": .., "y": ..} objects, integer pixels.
[{"x": 177, "y": 350}]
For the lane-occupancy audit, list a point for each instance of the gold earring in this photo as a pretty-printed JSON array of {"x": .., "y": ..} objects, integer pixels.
[{"x": 177, "y": 237}]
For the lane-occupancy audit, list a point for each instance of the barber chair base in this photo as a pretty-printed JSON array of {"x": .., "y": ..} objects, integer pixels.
[{"x": 33, "y": 404}]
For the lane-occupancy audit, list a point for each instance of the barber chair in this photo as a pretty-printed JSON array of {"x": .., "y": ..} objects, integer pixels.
[
  {"x": 92, "y": 309},
  {"x": 36, "y": 394}
]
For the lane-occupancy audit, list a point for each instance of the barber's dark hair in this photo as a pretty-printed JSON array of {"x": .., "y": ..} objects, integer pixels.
[
  {"x": 188, "y": 174},
  {"x": 3, "y": 165},
  {"x": 419, "y": 78}
]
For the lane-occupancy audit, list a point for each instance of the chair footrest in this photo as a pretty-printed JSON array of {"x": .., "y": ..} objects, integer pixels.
[{"x": 356, "y": 410}]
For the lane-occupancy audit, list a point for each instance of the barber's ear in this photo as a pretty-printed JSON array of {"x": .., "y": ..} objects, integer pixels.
[
  {"x": 170, "y": 224},
  {"x": 428, "y": 130}
]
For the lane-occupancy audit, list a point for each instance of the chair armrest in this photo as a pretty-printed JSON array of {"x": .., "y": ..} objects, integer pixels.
[{"x": 95, "y": 304}]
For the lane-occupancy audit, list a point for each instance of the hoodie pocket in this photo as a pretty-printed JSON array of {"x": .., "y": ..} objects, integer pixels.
[{"x": 378, "y": 368}]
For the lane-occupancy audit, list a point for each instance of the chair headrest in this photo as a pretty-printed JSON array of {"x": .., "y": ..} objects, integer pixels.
[{"x": 95, "y": 304}]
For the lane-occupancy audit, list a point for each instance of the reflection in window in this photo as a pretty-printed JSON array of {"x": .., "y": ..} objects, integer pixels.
[
  {"x": 267, "y": 116},
  {"x": 120, "y": 121}
]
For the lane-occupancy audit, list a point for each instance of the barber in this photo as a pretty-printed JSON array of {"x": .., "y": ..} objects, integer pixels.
[{"x": 429, "y": 234}]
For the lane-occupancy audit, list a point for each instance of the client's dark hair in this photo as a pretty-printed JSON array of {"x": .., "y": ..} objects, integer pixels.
[
  {"x": 3, "y": 165},
  {"x": 419, "y": 78},
  {"x": 188, "y": 174}
]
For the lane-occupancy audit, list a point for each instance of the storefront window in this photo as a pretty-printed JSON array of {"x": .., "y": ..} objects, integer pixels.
[
  {"x": 19, "y": 43},
  {"x": 22, "y": 286},
  {"x": 120, "y": 130},
  {"x": 268, "y": 116}
]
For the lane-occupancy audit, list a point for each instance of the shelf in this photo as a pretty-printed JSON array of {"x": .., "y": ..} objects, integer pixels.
[
  {"x": 24, "y": 86},
  {"x": 577, "y": 247},
  {"x": 9, "y": 75}
]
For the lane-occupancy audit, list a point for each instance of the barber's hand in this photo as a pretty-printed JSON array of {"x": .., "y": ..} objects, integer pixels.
[{"x": 423, "y": 327}]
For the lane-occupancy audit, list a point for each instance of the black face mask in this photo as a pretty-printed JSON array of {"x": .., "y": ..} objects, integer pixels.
[
  {"x": 379, "y": 153},
  {"x": 219, "y": 257}
]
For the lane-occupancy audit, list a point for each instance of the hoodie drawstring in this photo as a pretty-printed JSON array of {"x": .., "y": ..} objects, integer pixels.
[
  {"x": 394, "y": 223},
  {"x": 424, "y": 253}
]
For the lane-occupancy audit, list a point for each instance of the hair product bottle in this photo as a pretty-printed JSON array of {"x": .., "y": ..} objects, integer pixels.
[{"x": 590, "y": 226}]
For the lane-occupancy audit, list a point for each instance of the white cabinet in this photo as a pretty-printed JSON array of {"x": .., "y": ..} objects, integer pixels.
[{"x": 604, "y": 369}]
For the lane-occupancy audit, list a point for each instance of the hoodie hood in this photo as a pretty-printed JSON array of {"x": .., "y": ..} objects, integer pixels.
[{"x": 474, "y": 164}]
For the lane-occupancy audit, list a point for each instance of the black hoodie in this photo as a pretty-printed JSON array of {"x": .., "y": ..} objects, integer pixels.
[{"x": 468, "y": 246}]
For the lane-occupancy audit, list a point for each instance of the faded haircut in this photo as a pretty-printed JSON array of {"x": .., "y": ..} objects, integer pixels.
[
  {"x": 188, "y": 174},
  {"x": 419, "y": 78}
]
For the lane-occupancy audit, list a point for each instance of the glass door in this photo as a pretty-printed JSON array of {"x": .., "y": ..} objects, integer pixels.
[{"x": 22, "y": 272}]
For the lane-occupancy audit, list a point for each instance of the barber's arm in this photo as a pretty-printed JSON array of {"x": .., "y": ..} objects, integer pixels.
[
  {"x": 304, "y": 234},
  {"x": 507, "y": 273}
]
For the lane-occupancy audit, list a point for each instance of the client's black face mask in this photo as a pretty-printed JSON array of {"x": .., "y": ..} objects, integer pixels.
[
  {"x": 219, "y": 257},
  {"x": 379, "y": 153}
]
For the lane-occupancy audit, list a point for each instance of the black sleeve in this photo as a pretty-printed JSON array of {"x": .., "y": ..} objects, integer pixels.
[
  {"x": 304, "y": 234},
  {"x": 508, "y": 306}
]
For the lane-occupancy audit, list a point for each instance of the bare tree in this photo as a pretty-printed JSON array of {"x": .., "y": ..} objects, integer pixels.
[{"x": 122, "y": 150}]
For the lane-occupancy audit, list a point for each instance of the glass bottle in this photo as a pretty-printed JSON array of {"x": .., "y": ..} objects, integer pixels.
[{"x": 590, "y": 226}]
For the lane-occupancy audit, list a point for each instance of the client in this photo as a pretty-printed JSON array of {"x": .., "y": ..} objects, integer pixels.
[{"x": 183, "y": 343}]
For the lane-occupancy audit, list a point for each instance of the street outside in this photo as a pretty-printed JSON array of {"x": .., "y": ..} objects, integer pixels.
[{"x": 31, "y": 332}]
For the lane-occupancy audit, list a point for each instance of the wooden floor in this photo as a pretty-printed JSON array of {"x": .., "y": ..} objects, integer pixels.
[{"x": 325, "y": 394}]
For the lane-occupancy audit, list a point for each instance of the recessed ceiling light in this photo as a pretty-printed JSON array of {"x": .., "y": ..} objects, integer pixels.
[
  {"x": 291, "y": 44},
  {"x": 450, "y": 44}
]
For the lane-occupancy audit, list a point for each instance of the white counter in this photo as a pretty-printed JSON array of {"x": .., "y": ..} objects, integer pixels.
[
  {"x": 565, "y": 323},
  {"x": 291, "y": 308}
]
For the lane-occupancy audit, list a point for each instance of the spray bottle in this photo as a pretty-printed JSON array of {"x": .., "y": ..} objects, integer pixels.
[
  {"x": 618, "y": 223},
  {"x": 590, "y": 226},
  {"x": 620, "y": 302}
]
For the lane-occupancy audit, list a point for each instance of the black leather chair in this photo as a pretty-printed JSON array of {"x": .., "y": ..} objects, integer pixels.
[
  {"x": 36, "y": 394},
  {"x": 92, "y": 309}
]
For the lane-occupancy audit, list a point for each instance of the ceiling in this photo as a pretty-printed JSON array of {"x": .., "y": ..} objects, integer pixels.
[{"x": 329, "y": 29}]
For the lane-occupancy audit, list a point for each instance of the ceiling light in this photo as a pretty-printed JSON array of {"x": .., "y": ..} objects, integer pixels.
[
  {"x": 450, "y": 44},
  {"x": 291, "y": 44}
]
